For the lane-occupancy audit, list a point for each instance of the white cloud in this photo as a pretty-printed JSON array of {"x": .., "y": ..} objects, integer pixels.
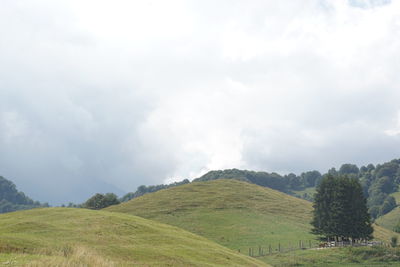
[
  {"x": 96, "y": 94},
  {"x": 396, "y": 129}
]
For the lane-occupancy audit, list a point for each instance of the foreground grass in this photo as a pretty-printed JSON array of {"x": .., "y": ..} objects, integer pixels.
[
  {"x": 77, "y": 256},
  {"x": 232, "y": 213},
  {"x": 79, "y": 237},
  {"x": 335, "y": 257}
]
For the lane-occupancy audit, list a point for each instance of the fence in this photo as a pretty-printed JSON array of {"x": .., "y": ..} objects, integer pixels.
[{"x": 301, "y": 245}]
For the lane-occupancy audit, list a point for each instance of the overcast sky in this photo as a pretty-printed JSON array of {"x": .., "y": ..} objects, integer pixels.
[{"x": 104, "y": 96}]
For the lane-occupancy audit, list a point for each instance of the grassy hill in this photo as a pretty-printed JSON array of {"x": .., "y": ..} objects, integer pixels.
[
  {"x": 390, "y": 219},
  {"x": 383, "y": 234},
  {"x": 80, "y": 237},
  {"x": 233, "y": 213}
]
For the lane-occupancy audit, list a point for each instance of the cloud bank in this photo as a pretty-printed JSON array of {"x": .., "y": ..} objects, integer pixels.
[{"x": 98, "y": 96}]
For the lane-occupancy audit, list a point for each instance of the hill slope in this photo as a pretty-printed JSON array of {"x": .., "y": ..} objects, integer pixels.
[
  {"x": 391, "y": 219},
  {"x": 384, "y": 234},
  {"x": 233, "y": 213},
  {"x": 72, "y": 237}
]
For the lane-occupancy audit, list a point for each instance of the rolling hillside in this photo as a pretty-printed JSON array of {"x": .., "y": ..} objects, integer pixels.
[
  {"x": 233, "y": 213},
  {"x": 79, "y": 237},
  {"x": 390, "y": 219},
  {"x": 383, "y": 234}
]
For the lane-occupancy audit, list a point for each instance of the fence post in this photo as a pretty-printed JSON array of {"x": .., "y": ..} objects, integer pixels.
[
  {"x": 309, "y": 241},
  {"x": 279, "y": 247},
  {"x": 270, "y": 249}
]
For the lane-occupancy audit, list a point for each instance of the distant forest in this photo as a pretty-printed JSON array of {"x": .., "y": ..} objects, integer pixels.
[
  {"x": 378, "y": 182},
  {"x": 11, "y": 199}
]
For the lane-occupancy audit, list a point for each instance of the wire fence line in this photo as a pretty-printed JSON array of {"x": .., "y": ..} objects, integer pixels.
[{"x": 260, "y": 251}]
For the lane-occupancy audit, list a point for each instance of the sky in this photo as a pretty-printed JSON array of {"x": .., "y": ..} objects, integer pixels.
[{"x": 104, "y": 96}]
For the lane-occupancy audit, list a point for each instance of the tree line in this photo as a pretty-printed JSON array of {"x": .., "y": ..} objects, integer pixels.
[
  {"x": 12, "y": 200},
  {"x": 377, "y": 182}
]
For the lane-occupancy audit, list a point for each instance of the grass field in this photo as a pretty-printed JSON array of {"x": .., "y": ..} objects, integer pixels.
[
  {"x": 79, "y": 237},
  {"x": 233, "y": 213}
]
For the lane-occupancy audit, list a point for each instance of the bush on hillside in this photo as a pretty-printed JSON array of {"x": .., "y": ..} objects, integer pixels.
[{"x": 100, "y": 201}]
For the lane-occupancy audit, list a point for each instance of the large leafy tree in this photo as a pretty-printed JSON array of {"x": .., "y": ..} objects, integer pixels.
[{"x": 340, "y": 209}]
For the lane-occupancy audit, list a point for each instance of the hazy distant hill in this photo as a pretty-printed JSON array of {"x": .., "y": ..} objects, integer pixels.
[
  {"x": 11, "y": 199},
  {"x": 81, "y": 237}
]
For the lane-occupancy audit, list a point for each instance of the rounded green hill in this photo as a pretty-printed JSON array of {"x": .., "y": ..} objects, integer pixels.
[
  {"x": 80, "y": 237},
  {"x": 233, "y": 213}
]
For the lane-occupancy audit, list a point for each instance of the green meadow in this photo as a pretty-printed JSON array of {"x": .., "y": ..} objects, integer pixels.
[
  {"x": 80, "y": 237},
  {"x": 232, "y": 213}
]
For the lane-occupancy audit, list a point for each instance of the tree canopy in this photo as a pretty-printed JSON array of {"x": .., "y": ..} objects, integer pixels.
[
  {"x": 340, "y": 209},
  {"x": 100, "y": 201},
  {"x": 284, "y": 183}
]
